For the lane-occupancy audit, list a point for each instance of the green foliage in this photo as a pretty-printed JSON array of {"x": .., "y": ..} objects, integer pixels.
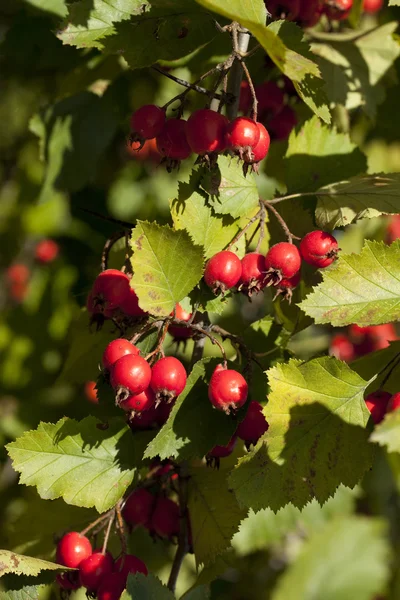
[
  {"x": 55, "y": 7},
  {"x": 360, "y": 288},
  {"x": 387, "y": 433},
  {"x": 25, "y": 565},
  {"x": 146, "y": 588}
]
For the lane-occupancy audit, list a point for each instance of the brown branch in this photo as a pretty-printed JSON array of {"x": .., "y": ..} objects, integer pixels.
[
  {"x": 96, "y": 522},
  {"x": 282, "y": 222},
  {"x": 190, "y": 86}
]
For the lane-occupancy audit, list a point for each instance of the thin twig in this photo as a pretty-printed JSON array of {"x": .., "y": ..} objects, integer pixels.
[
  {"x": 262, "y": 228},
  {"x": 158, "y": 349},
  {"x": 121, "y": 528},
  {"x": 107, "y": 247},
  {"x": 282, "y": 222},
  {"x": 96, "y": 522},
  {"x": 191, "y": 86},
  {"x": 243, "y": 231},
  {"x": 107, "y": 533}
]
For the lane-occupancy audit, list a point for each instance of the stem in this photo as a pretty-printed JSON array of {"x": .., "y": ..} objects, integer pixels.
[
  {"x": 107, "y": 534},
  {"x": 110, "y": 219},
  {"x": 183, "y": 545},
  {"x": 243, "y": 231},
  {"x": 262, "y": 229},
  {"x": 252, "y": 90},
  {"x": 186, "y": 84},
  {"x": 240, "y": 45},
  {"x": 107, "y": 247},
  {"x": 121, "y": 527},
  {"x": 158, "y": 349},
  {"x": 96, "y": 522},
  {"x": 282, "y": 222}
]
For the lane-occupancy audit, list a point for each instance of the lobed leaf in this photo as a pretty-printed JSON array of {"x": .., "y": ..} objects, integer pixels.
[
  {"x": 55, "y": 7},
  {"x": 10, "y": 562},
  {"x": 387, "y": 433},
  {"x": 146, "y": 587}
]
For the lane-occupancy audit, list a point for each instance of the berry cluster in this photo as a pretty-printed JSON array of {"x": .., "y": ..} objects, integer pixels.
[
  {"x": 358, "y": 341},
  {"x": 380, "y": 403},
  {"x": 307, "y": 13}
]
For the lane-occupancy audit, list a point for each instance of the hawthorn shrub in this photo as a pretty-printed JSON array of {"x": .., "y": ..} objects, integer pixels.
[{"x": 201, "y": 263}]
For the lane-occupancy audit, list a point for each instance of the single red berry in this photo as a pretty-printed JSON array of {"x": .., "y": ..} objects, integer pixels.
[
  {"x": 377, "y": 403},
  {"x": 205, "y": 131},
  {"x": 213, "y": 457},
  {"x": 130, "y": 375},
  {"x": 46, "y": 251},
  {"x": 319, "y": 249},
  {"x": 139, "y": 507},
  {"x": 172, "y": 142},
  {"x": 394, "y": 402},
  {"x": 372, "y": 6},
  {"x": 165, "y": 518},
  {"x": 72, "y": 549},
  {"x": 309, "y": 13},
  {"x": 110, "y": 289},
  {"x": 286, "y": 286},
  {"x": 144, "y": 420},
  {"x": 393, "y": 229},
  {"x": 93, "y": 569},
  {"x": 128, "y": 563},
  {"x": 282, "y": 261},
  {"x": 111, "y": 587},
  {"x": 168, "y": 378},
  {"x": 69, "y": 580},
  {"x": 252, "y": 279},
  {"x": 260, "y": 150},
  {"x": 253, "y": 426},
  {"x": 223, "y": 271},
  {"x": 18, "y": 273},
  {"x": 283, "y": 9},
  {"x": 143, "y": 153},
  {"x": 139, "y": 402},
  {"x": 227, "y": 390},
  {"x": 130, "y": 305},
  {"x": 148, "y": 121},
  {"x": 115, "y": 350},
  {"x": 242, "y": 135},
  {"x": 281, "y": 125},
  {"x": 91, "y": 392},
  {"x": 181, "y": 333},
  {"x": 342, "y": 348},
  {"x": 337, "y": 10}
]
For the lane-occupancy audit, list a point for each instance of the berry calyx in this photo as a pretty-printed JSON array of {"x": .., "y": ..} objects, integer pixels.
[
  {"x": 90, "y": 390},
  {"x": 148, "y": 121},
  {"x": 205, "y": 131},
  {"x": 372, "y": 6},
  {"x": 337, "y": 10},
  {"x": 394, "y": 402},
  {"x": 68, "y": 581},
  {"x": 377, "y": 403},
  {"x": 181, "y": 333},
  {"x": 130, "y": 375},
  {"x": 72, "y": 549},
  {"x": 111, "y": 587},
  {"x": 139, "y": 507},
  {"x": 223, "y": 271},
  {"x": 116, "y": 350},
  {"x": 165, "y": 518},
  {"x": 242, "y": 135},
  {"x": 227, "y": 390},
  {"x": 128, "y": 563},
  {"x": 109, "y": 290},
  {"x": 93, "y": 569},
  {"x": 252, "y": 279},
  {"x": 342, "y": 348},
  {"x": 282, "y": 261},
  {"x": 259, "y": 152},
  {"x": 46, "y": 251},
  {"x": 168, "y": 378},
  {"x": 319, "y": 249},
  {"x": 283, "y": 9},
  {"x": 253, "y": 426},
  {"x": 286, "y": 286},
  {"x": 172, "y": 142},
  {"x": 139, "y": 402},
  {"x": 213, "y": 457}
]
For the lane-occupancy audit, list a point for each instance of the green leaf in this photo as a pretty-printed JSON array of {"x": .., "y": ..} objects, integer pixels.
[
  {"x": 166, "y": 265},
  {"x": 394, "y": 2},
  {"x": 56, "y": 7},
  {"x": 318, "y": 155},
  {"x": 387, "y": 433},
  {"x": 85, "y": 463},
  {"x": 317, "y": 417},
  {"x": 214, "y": 512},
  {"x": 200, "y": 592},
  {"x": 365, "y": 196},
  {"x": 29, "y": 592},
  {"x": 146, "y": 587},
  {"x": 360, "y": 288},
  {"x": 231, "y": 193},
  {"x": 91, "y": 20},
  {"x": 10, "y": 562},
  {"x": 375, "y": 362},
  {"x": 354, "y": 549},
  {"x": 194, "y": 427}
]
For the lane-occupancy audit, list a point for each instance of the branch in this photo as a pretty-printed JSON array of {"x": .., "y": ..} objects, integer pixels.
[
  {"x": 192, "y": 86},
  {"x": 240, "y": 43},
  {"x": 282, "y": 222}
]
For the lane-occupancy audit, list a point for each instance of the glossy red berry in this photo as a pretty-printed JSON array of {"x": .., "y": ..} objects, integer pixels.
[
  {"x": 131, "y": 374},
  {"x": 111, "y": 587},
  {"x": 205, "y": 131},
  {"x": 282, "y": 261},
  {"x": 128, "y": 563},
  {"x": 254, "y": 425},
  {"x": 394, "y": 402},
  {"x": 242, "y": 135},
  {"x": 93, "y": 569},
  {"x": 342, "y": 348},
  {"x": 69, "y": 580},
  {"x": 46, "y": 251},
  {"x": 18, "y": 273},
  {"x": 319, "y": 249},
  {"x": 148, "y": 121},
  {"x": 337, "y": 10},
  {"x": 139, "y": 402},
  {"x": 172, "y": 142},
  {"x": 143, "y": 153},
  {"x": 372, "y": 6},
  {"x": 72, "y": 549},
  {"x": 181, "y": 333},
  {"x": 252, "y": 279},
  {"x": 116, "y": 350},
  {"x": 165, "y": 518},
  {"x": 139, "y": 507},
  {"x": 223, "y": 271},
  {"x": 168, "y": 378},
  {"x": 227, "y": 390},
  {"x": 260, "y": 150},
  {"x": 281, "y": 125},
  {"x": 377, "y": 403},
  {"x": 110, "y": 289},
  {"x": 309, "y": 12},
  {"x": 213, "y": 457},
  {"x": 90, "y": 390},
  {"x": 283, "y": 9},
  {"x": 130, "y": 305}
]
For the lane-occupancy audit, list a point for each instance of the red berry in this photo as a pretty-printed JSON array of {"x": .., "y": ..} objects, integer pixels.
[
  {"x": 223, "y": 271},
  {"x": 165, "y": 518},
  {"x": 286, "y": 286},
  {"x": 205, "y": 131},
  {"x": 146, "y": 153},
  {"x": 72, "y": 549},
  {"x": 281, "y": 125},
  {"x": 111, "y": 587},
  {"x": 172, "y": 142},
  {"x": 309, "y": 12},
  {"x": 91, "y": 392},
  {"x": 115, "y": 350},
  {"x": 139, "y": 402},
  {"x": 213, "y": 457},
  {"x": 242, "y": 135},
  {"x": 260, "y": 150},
  {"x": 342, "y": 348},
  {"x": 283, "y": 9},
  {"x": 130, "y": 305},
  {"x": 148, "y": 121},
  {"x": 394, "y": 402},
  {"x": 252, "y": 279},
  {"x": 227, "y": 390},
  {"x": 319, "y": 249},
  {"x": 110, "y": 289},
  {"x": 254, "y": 425},
  {"x": 128, "y": 563},
  {"x": 377, "y": 403},
  {"x": 181, "y": 333},
  {"x": 132, "y": 374},
  {"x": 46, "y": 251},
  {"x": 168, "y": 378},
  {"x": 393, "y": 229},
  {"x": 69, "y": 580},
  {"x": 139, "y": 507},
  {"x": 18, "y": 273},
  {"x": 282, "y": 261},
  {"x": 337, "y": 10},
  {"x": 93, "y": 569},
  {"x": 372, "y": 6}
]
